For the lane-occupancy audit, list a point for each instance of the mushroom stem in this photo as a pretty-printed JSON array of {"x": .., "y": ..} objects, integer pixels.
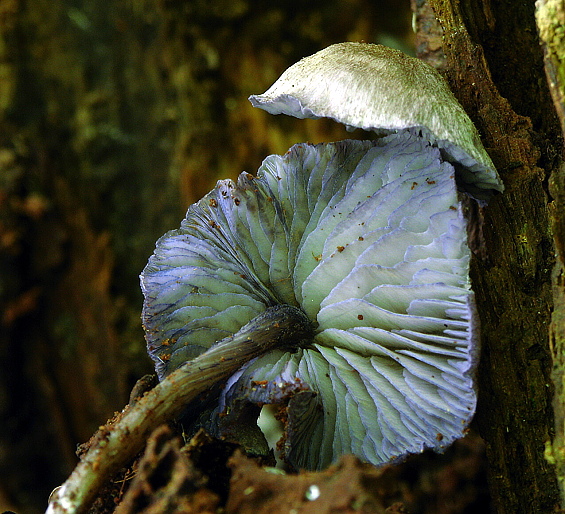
[{"x": 279, "y": 326}]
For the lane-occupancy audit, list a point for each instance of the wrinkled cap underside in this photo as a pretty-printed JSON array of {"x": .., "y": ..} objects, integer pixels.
[
  {"x": 380, "y": 89},
  {"x": 368, "y": 239}
]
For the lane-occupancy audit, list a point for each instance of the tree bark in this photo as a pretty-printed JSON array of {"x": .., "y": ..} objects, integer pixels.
[
  {"x": 550, "y": 17},
  {"x": 495, "y": 68}
]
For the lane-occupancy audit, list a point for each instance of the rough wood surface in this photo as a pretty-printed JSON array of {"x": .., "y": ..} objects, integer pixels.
[
  {"x": 550, "y": 18},
  {"x": 494, "y": 65}
]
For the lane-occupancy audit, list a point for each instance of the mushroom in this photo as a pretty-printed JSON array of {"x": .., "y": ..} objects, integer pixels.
[
  {"x": 367, "y": 238},
  {"x": 377, "y": 88},
  {"x": 335, "y": 283}
]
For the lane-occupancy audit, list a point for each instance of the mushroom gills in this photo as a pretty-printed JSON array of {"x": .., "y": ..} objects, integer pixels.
[{"x": 366, "y": 238}]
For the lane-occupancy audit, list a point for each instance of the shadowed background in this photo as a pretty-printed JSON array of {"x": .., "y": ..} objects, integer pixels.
[{"x": 114, "y": 117}]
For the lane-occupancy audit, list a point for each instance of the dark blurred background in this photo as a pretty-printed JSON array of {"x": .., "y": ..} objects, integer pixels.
[{"x": 114, "y": 117}]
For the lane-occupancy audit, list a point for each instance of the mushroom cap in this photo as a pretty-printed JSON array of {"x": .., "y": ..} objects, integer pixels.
[
  {"x": 368, "y": 239},
  {"x": 381, "y": 89}
]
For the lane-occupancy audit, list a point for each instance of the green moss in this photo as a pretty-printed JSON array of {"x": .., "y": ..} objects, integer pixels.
[{"x": 550, "y": 17}]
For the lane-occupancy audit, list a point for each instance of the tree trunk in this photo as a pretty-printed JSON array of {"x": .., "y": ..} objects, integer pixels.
[
  {"x": 550, "y": 18},
  {"x": 494, "y": 64}
]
